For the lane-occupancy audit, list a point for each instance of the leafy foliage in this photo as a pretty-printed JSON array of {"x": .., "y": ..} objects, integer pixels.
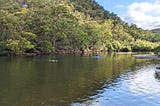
[
  {"x": 157, "y": 50},
  {"x": 49, "y": 25}
]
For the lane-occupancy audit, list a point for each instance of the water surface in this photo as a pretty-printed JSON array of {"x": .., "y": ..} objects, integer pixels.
[{"x": 112, "y": 80}]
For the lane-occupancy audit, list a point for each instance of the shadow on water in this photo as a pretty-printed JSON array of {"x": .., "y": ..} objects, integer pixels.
[{"x": 72, "y": 80}]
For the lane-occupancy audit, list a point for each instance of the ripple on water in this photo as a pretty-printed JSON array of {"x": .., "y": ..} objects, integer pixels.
[{"x": 139, "y": 88}]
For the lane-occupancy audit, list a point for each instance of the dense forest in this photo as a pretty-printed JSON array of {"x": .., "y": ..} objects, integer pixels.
[
  {"x": 157, "y": 49},
  {"x": 157, "y": 31},
  {"x": 46, "y": 26}
]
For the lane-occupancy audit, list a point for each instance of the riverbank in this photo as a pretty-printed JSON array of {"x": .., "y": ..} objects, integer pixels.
[
  {"x": 144, "y": 55},
  {"x": 57, "y": 52}
]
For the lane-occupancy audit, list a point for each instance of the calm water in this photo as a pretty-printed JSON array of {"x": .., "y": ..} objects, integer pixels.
[{"x": 113, "y": 80}]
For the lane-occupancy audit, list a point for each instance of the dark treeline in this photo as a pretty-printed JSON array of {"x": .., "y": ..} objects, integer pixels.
[{"x": 67, "y": 25}]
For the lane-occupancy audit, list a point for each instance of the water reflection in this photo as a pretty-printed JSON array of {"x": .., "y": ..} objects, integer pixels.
[
  {"x": 144, "y": 81},
  {"x": 138, "y": 88},
  {"x": 73, "y": 80}
]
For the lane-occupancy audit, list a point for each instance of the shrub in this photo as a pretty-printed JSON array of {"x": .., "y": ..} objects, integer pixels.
[{"x": 45, "y": 46}]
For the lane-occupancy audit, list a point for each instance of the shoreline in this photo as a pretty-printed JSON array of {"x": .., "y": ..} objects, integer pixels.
[
  {"x": 58, "y": 52},
  {"x": 68, "y": 52}
]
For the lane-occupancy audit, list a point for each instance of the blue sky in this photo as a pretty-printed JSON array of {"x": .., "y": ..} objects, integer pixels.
[
  {"x": 117, "y": 6},
  {"x": 143, "y": 13}
]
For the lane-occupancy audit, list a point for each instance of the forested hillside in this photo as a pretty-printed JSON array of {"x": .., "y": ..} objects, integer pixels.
[
  {"x": 156, "y": 31},
  {"x": 67, "y": 25}
]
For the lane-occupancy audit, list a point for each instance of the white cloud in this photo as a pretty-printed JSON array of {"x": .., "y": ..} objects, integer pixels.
[{"x": 145, "y": 14}]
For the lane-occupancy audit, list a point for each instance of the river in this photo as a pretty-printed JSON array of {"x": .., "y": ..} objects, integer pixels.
[{"x": 114, "y": 79}]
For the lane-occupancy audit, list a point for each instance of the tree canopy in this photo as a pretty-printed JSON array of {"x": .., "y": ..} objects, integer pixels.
[{"x": 52, "y": 25}]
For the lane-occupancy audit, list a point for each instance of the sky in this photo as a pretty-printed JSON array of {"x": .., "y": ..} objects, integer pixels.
[{"x": 144, "y": 13}]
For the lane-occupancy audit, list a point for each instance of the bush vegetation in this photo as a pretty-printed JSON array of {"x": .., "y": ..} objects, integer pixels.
[{"x": 50, "y": 25}]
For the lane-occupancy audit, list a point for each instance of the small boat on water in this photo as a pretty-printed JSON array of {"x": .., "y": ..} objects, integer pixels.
[
  {"x": 53, "y": 60},
  {"x": 96, "y": 57}
]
